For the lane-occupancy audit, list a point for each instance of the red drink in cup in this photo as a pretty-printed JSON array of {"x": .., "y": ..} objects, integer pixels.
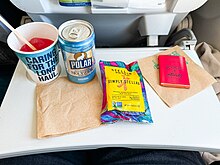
[{"x": 38, "y": 43}]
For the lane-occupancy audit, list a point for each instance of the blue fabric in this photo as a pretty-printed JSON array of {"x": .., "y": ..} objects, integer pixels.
[{"x": 110, "y": 156}]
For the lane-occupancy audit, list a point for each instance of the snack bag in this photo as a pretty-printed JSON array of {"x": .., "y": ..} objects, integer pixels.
[{"x": 124, "y": 94}]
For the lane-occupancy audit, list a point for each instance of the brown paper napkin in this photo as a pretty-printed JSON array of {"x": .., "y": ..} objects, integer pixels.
[
  {"x": 199, "y": 78},
  {"x": 65, "y": 107}
]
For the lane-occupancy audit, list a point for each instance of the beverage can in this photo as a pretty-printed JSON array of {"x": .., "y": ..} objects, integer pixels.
[{"x": 77, "y": 43}]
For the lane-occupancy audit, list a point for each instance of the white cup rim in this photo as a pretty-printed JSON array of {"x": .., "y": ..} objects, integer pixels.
[{"x": 38, "y": 51}]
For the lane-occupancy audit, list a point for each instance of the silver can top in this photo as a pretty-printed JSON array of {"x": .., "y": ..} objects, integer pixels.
[{"x": 75, "y": 30}]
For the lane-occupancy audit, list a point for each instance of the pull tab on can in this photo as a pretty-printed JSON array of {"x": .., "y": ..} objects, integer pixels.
[{"x": 74, "y": 33}]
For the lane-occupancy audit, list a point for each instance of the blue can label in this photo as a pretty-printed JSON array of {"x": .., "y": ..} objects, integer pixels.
[{"x": 80, "y": 66}]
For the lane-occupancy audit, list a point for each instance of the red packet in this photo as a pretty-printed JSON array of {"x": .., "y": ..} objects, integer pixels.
[{"x": 173, "y": 71}]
